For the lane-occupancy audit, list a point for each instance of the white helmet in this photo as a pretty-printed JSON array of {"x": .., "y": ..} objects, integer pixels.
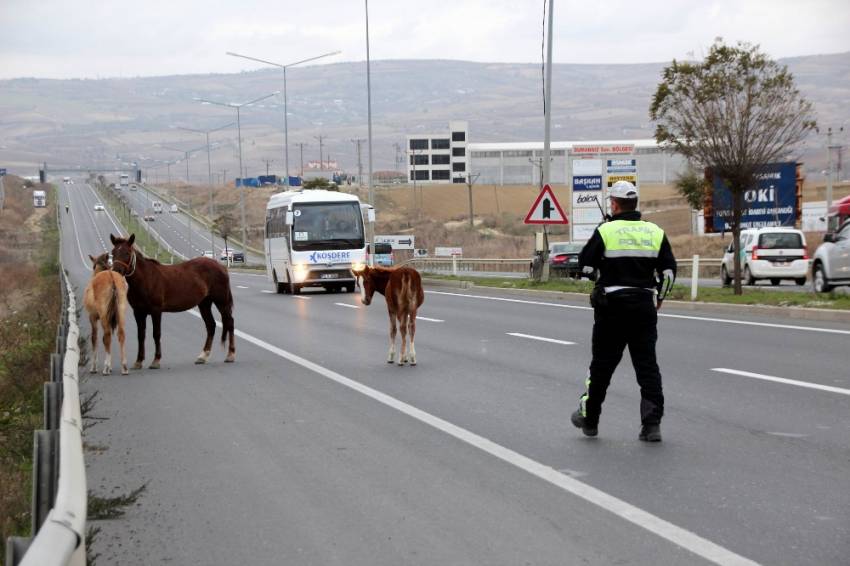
[{"x": 622, "y": 189}]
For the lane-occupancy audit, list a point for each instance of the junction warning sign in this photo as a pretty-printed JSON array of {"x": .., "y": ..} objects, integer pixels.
[{"x": 546, "y": 209}]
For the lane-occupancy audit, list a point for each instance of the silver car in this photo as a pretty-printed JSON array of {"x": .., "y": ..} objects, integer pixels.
[{"x": 831, "y": 264}]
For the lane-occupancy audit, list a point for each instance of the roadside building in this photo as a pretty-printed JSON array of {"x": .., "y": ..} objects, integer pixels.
[{"x": 439, "y": 157}]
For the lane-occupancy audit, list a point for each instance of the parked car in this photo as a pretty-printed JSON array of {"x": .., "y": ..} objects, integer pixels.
[
  {"x": 173, "y": 208},
  {"x": 831, "y": 264},
  {"x": 235, "y": 257},
  {"x": 563, "y": 258},
  {"x": 99, "y": 206},
  {"x": 209, "y": 254},
  {"x": 768, "y": 253}
]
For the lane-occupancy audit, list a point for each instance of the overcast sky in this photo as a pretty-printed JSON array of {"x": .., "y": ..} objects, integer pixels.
[{"x": 104, "y": 38}]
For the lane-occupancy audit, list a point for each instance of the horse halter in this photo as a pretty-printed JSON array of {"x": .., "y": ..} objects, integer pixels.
[{"x": 131, "y": 266}]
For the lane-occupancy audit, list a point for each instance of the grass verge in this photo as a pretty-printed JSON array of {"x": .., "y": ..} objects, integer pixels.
[
  {"x": 751, "y": 296},
  {"x": 30, "y": 294}
]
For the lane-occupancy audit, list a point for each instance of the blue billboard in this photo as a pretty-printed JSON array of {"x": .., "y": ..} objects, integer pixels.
[
  {"x": 587, "y": 183},
  {"x": 772, "y": 202}
]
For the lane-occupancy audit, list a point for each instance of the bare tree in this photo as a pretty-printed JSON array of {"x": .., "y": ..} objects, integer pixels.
[
  {"x": 734, "y": 112},
  {"x": 224, "y": 225}
]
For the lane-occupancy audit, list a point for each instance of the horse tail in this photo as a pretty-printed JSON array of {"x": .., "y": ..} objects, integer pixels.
[
  {"x": 112, "y": 305},
  {"x": 227, "y": 321},
  {"x": 404, "y": 299}
]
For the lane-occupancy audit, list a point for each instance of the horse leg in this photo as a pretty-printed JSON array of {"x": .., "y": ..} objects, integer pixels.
[
  {"x": 412, "y": 332},
  {"x": 94, "y": 323},
  {"x": 141, "y": 321},
  {"x": 107, "y": 345},
  {"x": 205, "y": 307},
  {"x": 156, "y": 318},
  {"x": 121, "y": 338},
  {"x": 402, "y": 321},
  {"x": 227, "y": 327},
  {"x": 391, "y": 353}
]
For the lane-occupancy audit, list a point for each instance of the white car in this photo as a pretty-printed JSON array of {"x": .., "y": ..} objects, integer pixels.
[
  {"x": 831, "y": 265},
  {"x": 173, "y": 208},
  {"x": 209, "y": 254},
  {"x": 768, "y": 253},
  {"x": 99, "y": 206}
]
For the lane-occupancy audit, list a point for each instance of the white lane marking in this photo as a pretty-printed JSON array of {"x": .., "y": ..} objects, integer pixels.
[
  {"x": 302, "y": 297},
  {"x": 242, "y": 287},
  {"x": 656, "y": 525},
  {"x": 541, "y": 338},
  {"x": 430, "y": 319},
  {"x": 818, "y": 386},
  {"x": 666, "y": 315},
  {"x": 86, "y": 262},
  {"x": 346, "y": 305},
  {"x": 266, "y": 291},
  {"x": 240, "y": 274}
]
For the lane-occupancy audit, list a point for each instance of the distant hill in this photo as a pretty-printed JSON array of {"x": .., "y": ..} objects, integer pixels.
[{"x": 100, "y": 122}]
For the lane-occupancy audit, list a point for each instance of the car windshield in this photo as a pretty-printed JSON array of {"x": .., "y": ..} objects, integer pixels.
[
  {"x": 327, "y": 226},
  {"x": 780, "y": 240},
  {"x": 566, "y": 248}
]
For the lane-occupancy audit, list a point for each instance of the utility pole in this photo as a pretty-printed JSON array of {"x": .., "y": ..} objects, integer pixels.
[
  {"x": 301, "y": 147},
  {"x": 470, "y": 180},
  {"x": 547, "y": 106},
  {"x": 224, "y": 177},
  {"x": 267, "y": 162},
  {"x": 357, "y": 142},
  {"x": 321, "y": 139},
  {"x": 829, "y": 172},
  {"x": 398, "y": 159}
]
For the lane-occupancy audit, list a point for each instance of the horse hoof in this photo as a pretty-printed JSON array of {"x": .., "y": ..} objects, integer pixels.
[
  {"x": 93, "y": 370},
  {"x": 107, "y": 371},
  {"x": 389, "y": 361},
  {"x": 137, "y": 365},
  {"x": 200, "y": 360},
  {"x": 154, "y": 365},
  {"x": 124, "y": 371},
  {"x": 230, "y": 358}
]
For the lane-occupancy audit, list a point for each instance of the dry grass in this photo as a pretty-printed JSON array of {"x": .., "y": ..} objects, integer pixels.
[
  {"x": 29, "y": 312},
  {"x": 438, "y": 215}
]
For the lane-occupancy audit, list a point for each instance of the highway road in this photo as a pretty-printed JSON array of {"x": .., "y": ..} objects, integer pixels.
[{"x": 310, "y": 449}]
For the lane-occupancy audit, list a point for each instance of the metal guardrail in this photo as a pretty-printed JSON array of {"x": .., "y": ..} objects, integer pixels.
[{"x": 59, "y": 499}]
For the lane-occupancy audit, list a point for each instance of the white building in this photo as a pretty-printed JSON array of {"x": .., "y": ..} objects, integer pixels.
[
  {"x": 518, "y": 163},
  {"x": 440, "y": 157}
]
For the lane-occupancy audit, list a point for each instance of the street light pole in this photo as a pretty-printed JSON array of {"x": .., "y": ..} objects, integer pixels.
[
  {"x": 238, "y": 108},
  {"x": 285, "y": 109}
]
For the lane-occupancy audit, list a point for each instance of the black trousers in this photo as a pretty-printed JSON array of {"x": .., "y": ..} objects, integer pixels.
[{"x": 629, "y": 319}]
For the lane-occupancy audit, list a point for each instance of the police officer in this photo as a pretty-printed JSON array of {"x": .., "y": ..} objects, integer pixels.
[{"x": 635, "y": 269}]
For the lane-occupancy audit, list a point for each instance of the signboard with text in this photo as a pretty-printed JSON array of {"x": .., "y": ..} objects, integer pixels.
[
  {"x": 772, "y": 202},
  {"x": 587, "y": 183},
  {"x": 593, "y": 149},
  {"x": 587, "y": 167},
  {"x": 630, "y": 177},
  {"x": 398, "y": 242},
  {"x": 447, "y": 251},
  {"x": 621, "y": 166}
]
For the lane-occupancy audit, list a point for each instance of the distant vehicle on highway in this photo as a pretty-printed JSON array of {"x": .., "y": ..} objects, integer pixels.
[
  {"x": 563, "y": 258},
  {"x": 134, "y": 187},
  {"x": 831, "y": 265},
  {"x": 134, "y": 213},
  {"x": 235, "y": 257},
  {"x": 99, "y": 206},
  {"x": 124, "y": 180},
  {"x": 173, "y": 208},
  {"x": 157, "y": 207},
  {"x": 149, "y": 217},
  {"x": 66, "y": 180},
  {"x": 768, "y": 253}
]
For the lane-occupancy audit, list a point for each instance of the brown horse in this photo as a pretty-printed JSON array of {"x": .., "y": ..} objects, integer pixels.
[
  {"x": 105, "y": 299},
  {"x": 402, "y": 288},
  {"x": 156, "y": 288}
]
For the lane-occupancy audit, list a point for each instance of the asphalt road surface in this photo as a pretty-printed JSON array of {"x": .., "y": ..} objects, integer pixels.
[{"x": 311, "y": 449}]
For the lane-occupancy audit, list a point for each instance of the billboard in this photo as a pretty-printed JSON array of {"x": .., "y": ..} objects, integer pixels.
[
  {"x": 587, "y": 167},
  {"x": 772, "y": 202},
  {"x": 587, "y": 183},
  {"x": 630, "y": 177},
  {"x": 621, "y": 166}
]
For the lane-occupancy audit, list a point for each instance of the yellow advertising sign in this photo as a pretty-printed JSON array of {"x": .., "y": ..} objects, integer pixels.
[{"x": 630, "y": 177}]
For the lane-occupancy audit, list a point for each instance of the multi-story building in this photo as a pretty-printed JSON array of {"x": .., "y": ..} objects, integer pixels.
[{"x": 441, "y": 157}]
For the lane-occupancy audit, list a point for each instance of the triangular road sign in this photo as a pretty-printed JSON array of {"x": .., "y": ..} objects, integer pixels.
[{"x": 546, "y": 209}]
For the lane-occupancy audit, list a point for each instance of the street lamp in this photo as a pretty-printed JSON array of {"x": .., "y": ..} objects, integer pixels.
[
  {"x": 285, "y": 113},
  {"x": 210, "y": 211},
  {"x": 238, "y": 107}
]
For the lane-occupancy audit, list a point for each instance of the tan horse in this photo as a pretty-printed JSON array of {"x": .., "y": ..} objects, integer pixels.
[{"x": 105, "y": 299}]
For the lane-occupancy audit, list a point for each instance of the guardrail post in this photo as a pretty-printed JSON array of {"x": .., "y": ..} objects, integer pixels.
[
  {"x": 16, "y": 547},
  {"x": 454, "y": 265},
  {"x": 45, "y": 475},
  {"x": 694, "y": 277},
  {"x": 52, "y": 407},
  {"x": 56, "y": 368}
]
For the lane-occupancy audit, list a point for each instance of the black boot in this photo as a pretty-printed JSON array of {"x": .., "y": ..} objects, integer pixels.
[
  {"x": 580, "y": 421},
  {"x": 650, "y": 433}
]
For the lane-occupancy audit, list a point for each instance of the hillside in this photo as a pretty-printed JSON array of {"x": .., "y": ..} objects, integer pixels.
[{"x": 99, "y": 123}]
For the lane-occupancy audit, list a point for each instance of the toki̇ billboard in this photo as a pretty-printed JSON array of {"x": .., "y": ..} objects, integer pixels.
[{"x": 772, "y": 202}]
